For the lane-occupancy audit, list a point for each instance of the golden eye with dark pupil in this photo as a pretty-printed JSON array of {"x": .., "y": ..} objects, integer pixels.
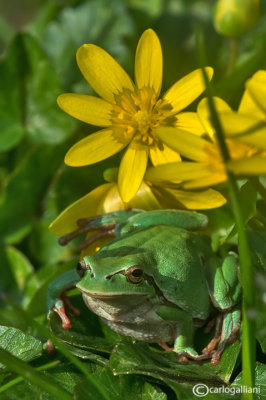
[
  {"x": 81, "y": 268},
  {"x": 134, "y": 274}
]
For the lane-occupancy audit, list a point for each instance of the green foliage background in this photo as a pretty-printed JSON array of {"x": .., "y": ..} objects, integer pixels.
[{"x": 38, "y": 63}]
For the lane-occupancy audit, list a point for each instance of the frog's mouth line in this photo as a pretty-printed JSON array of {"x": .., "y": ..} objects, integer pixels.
[{"x": 101, "y": 296}]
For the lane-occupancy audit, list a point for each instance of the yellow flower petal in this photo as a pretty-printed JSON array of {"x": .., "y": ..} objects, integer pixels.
[
  {"x": 164, "y": 156},
  {"x": 185, "y": 143},
  {"x": 131, "y": 170},
  {"x": 249, "y": 106},
  {"x": 187, "y": 89},
  {"x": 245, "y": 128},
  {"x": 205, "y": 115},
  {"x": 82, "y": 208},
  {"x": 94, "y": 148},
  {"x": 176, "y": 172},
  {"x": 149, "y": 62},
  {"x": 88, "y": 109},
  {"x": 102, "y": 72},
  {"x": 212, "y": 178},
  {"x": 144, "y": 199},
  {"x": 198, "y": 200},
  {"x": 111, "y": 201},
  {"x": 257, "y": 89},
  {"x": 255, "y": 165},
  {"x": 189, "y": 121}
]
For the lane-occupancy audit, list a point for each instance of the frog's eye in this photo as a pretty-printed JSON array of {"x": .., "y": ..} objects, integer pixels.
[
  {"x": 81, "y": 268},
  {"x": 134, "y": 274}
]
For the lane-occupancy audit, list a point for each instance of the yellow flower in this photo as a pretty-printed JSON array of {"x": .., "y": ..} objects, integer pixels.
[
  {"x": 209, "y": 168},
  {"x": 150, "y": 196},
  {"x": 130, "y": 112}
]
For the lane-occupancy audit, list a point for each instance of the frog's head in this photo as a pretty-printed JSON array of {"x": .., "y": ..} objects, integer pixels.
[{"x": 113, "y": 278}]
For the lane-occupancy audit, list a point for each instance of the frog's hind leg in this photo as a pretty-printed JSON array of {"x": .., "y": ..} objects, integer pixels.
[
  {"x": 217, "y": 336},
  {"x": 229, "y": 334}
]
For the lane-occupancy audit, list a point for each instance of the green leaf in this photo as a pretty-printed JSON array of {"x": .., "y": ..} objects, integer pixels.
[
  {"x": 118, "y": 387},
  {"x": 102, "y": 22},
  {"x": 28, "y": 90},
  {"x": 84, "y": 333},
  {"x": 260, "y": 382},
  {"x": 18, "y": 343},
  {"x": 12, "y": 85},
  {"x": 25, "y": 191},
  {"x": 45, "y": 122},
  {"x": 138, "y": 358},
  {"x": 33, "y": 376},
  {"x": 20, "y": 266}
]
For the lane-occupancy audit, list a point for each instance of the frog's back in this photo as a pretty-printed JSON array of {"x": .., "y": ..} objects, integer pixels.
[{"x": 173, "y": 258}]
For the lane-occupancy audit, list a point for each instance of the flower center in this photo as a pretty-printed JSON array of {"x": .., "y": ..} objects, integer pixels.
[{"x": 137, "y": 114}]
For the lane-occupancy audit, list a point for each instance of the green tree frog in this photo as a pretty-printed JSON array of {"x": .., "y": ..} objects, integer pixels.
[{"x": 156, "y": 281}]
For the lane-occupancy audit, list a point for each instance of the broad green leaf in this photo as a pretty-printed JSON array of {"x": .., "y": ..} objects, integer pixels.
[
  {"x": 28, "y": 91},
  {"x": 18, "y": 343},
  {"x": 257, "y": 242},
  {"x": 17, "y": 274},
  {"x": 45, "y": 122},
  {"x": 12, "y": 86},
  {"x": 25, "y": 190},
  {"x": 20, "y": 266},
  {"x": 118, "y": 387},
  {"x": 137, "y": 358},
  {"x": 260, "y": 382},
  {"x": 87, "y": 355},
  {"x": 81, "y": 335},
  {"x": 48, "y": 384},
  {"x": 102, "y": 22}
]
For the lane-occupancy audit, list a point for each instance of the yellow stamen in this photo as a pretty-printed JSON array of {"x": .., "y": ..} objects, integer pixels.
[{"x": 138, "y": 113}]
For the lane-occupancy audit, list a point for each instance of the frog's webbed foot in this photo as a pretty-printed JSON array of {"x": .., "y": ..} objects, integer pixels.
[
  {"x": 105, "y": 224},
  {"x": 190, "y": 354},
  {"x": 105, "y": 231}
]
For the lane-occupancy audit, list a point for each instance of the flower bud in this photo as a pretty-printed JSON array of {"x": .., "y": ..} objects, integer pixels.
[
  {"x": 235, "y": 17},
  {"x": 110, "y": 174}
]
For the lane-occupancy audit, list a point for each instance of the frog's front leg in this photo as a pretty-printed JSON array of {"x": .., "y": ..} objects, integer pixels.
[
  {"x": 56, "y": 299},
  {"x": 184, "y": 334}
]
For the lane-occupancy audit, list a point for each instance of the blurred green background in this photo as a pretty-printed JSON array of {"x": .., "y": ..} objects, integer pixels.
[{"x": 38, "y": 42}]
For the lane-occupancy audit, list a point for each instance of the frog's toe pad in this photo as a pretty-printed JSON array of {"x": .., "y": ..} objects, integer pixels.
[
  {"x": 182, "y": 358},
  {"x": 60, "y": 310},
  {"x": 215, "y": 359}
]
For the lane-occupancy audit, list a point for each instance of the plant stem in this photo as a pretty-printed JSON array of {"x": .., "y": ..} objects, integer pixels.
[
  {"x": 19, "y": 379},
  {"x": 246, "y": 270},
  {"x": 233, "y": 56},
  {"x": 32, "y": 375}
]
